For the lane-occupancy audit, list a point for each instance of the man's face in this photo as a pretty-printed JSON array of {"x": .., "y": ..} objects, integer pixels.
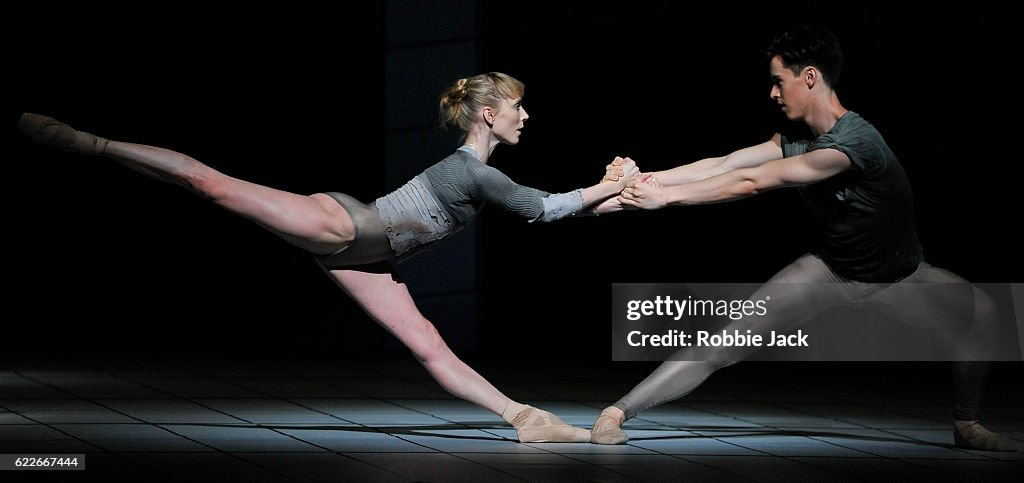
[{"x": 788, "y": 89}]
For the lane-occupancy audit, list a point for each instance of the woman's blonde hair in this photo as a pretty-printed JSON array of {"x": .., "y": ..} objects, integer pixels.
[{"x": 460, "y": 102}]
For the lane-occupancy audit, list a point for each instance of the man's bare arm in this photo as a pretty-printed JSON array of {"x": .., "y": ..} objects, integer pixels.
[
  {"x": 741, "y": 183},
  {"x": 706, "y": 168}
]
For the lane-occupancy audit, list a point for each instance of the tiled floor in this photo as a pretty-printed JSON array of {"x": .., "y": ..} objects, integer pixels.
[{"x": 239, "y": 419}]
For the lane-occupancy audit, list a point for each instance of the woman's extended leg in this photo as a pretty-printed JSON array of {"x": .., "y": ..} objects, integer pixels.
[
  {"x": 388, "y": 302},
  {"x": 315, "y": 223}
]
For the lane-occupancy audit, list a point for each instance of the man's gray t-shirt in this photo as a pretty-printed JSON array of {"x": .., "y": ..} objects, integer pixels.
[{"x": 868, "y": 210}]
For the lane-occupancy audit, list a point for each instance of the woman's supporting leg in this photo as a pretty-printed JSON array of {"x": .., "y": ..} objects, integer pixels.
[
  {"x": 314, "y": 223},
  {"x": 389, "y": 303}
]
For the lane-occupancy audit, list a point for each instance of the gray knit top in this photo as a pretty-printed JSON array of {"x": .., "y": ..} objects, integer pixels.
[{"x": 446, "y": 197}]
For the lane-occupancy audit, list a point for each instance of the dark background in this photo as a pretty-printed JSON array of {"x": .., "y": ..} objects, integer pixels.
[{"x": 103, "y": 259}]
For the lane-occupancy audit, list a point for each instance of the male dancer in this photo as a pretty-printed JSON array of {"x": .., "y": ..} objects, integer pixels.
[{"x": 853, "y": 182}]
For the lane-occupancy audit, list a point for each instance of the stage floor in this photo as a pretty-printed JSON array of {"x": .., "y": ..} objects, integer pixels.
[{"x": 205, "y": 418}]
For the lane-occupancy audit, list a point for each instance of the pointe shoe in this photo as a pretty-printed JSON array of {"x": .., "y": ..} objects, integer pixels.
[
  {"x": 538, "y": 426},
  {"x": 608, "y": 430},
  {"x": 972, "y": 435},
  {"x": 51, "y": 132}
]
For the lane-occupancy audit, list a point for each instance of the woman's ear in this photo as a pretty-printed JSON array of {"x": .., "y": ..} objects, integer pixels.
[{"x": 488, "y": 114}]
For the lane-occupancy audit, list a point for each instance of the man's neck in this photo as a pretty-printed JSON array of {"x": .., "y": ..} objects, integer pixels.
[{"x": 824, "y": 116}]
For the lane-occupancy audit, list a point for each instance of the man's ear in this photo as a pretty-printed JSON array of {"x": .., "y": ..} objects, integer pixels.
[{"x": 811, "y": 76}]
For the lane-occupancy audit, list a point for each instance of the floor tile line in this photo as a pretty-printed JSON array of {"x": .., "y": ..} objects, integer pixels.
[{"x": 228, "y": 453}]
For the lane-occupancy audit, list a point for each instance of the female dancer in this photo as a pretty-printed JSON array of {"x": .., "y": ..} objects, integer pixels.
[{"x": 350, "y": 239}]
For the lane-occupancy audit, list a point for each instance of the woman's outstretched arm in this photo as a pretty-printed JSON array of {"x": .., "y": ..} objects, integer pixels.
[{"x": 496, "y": 188}]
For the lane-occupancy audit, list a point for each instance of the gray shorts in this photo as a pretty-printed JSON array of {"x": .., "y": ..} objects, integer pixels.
[{"x": 370, "y": 244}]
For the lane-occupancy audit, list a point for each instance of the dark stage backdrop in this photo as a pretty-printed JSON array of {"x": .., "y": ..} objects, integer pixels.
[
  {"x": 668, "y": 85},
  {"x": 106, "y": 259}
]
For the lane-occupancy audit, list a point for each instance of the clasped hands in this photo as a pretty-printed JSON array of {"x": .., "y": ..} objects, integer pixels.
[{"x": 639, "y": 190}]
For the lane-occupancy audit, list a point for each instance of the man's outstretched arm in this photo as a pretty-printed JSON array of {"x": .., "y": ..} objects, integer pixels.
[
  {"x": 740, "y": 183},
  {"x": 696, "y": 171},
  {"x": 706, "y": 168}
]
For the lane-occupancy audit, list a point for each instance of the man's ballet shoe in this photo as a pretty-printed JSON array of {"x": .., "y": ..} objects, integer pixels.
[
  {"x": 608, "y": 430},
  {"x": 538, "y": 426},
  {"x": 972, "y": 435},
  {"x": 51, "y": 132}
]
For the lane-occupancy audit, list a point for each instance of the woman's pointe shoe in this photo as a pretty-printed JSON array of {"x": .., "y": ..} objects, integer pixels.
[
  {"x": 51, "y": 132},
  {"x": 608, "y": 429},
  {"x": 538, "y": 426},
  {"x": 972, "y": 435}
]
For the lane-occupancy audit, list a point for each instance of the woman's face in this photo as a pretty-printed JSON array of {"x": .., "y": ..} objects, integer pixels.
[{"x": 509, "y": 121}]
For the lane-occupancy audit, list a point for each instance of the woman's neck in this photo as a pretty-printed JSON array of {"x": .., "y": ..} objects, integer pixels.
[
  {"x": 481, "y": 141},
  {"x": 483, "y": 152}
]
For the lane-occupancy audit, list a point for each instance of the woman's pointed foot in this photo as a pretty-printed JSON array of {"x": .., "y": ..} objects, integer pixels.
[
  {"x": 53, "y": 133},
  {"x": 538, "y": 426}
]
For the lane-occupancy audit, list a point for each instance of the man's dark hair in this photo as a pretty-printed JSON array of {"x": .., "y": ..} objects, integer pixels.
[{"x": 807, "y": 46}]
